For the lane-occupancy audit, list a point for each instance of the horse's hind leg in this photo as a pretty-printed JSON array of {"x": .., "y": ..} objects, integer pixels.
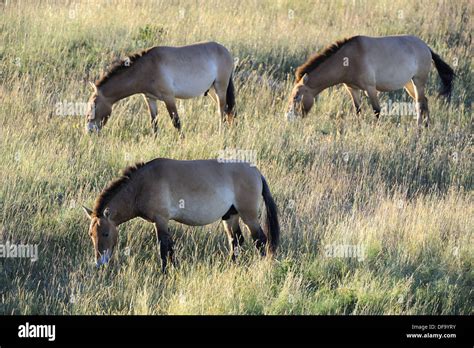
[
  {"x": 234, "y": 234},
  {"x": 153, "y": 110},
  {"x": 423, "y": 114},
  {"x": 410, "y": 88},
  {"x": 258, "y": 236},
  {"x": 250, "y": 219},
  {"x": 166, "y": 243},
  {"x": 239, "y": 235},
  {"x": 221, "y": 92}
]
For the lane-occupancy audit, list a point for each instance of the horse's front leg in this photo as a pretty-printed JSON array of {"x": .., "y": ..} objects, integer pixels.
[
  {"x": 165, "y": 242},
  {"x": 153, "y": 110},
  {"x": 374, "y": 100},
  {"x": 356, "y": 98},
  {"x": 173, "y": 111}
]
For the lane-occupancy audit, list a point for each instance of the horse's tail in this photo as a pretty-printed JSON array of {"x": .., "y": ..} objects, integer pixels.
[
  {"x": 445, "y": 72},
  {"x": 230, "y": 96},
  {"x": 271, "y": 226}
]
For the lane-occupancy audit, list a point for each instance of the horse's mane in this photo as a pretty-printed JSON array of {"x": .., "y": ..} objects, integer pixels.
[
  {"x": 120, "y": 66},
  {"x": 114, "y": 187},
  {"x": 319, "y": 58}
]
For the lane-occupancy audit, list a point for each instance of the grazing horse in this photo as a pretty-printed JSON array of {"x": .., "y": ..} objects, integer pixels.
[
  {"x": 370, "y": 64},
  {"x": 165, "y": 73},
  {"x": 194, "y": 193}
]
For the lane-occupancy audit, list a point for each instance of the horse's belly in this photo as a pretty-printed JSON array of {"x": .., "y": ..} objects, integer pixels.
[
  {"x": 190, "y": 84},
  {"x": 390, "y": 82},
  {"x": 390, "y": 77},
  {"x": 390, "y": 86},
  {"x": 192, "y": 89},
  {"x": 197, "y": 220},
  {"x": 200, "y": 217},
  {"x": 200, "y": 211}
]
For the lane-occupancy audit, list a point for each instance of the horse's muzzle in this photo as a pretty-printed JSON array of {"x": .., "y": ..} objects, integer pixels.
[
  {"x": 291, "y": 115},
  {"x": 92, "y": 128},
  {"x": 104, "y": 258}
]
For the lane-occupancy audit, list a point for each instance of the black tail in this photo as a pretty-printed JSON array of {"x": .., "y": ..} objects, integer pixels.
[
  {"x": 446, "y": 73},
  {"x": 230, "y": 96},
  {"x": 271, "y": 226}
]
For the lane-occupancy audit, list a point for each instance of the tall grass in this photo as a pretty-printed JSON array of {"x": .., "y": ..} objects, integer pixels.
[{"x": 404, "y": 199}]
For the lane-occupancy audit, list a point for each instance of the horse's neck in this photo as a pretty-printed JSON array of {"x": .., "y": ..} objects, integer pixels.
[
  {"x": 330, "y": 73},
  {"x": 122, "y": 86},
  {"x": 122, "y": 207}
]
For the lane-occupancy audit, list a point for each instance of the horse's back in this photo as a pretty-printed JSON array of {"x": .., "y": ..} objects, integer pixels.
[
  {"x": 201, "y": 171},
  {"x": 396, "y": 45},
  {"x": 193, "y": 53},
  {"x": 200, "y": 192},
  {"x": 394, "y": 60},
  {"x": 189, "y": 71}
]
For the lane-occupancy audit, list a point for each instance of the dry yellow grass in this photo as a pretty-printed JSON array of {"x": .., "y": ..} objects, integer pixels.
[{"x": 404, "y": 202}]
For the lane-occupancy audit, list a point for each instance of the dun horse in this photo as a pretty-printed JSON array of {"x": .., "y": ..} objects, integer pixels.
[
  {"x": 370, "y": 64},
  {"x": 194, "y": 193},
  {"x": 166, "y": 73}
]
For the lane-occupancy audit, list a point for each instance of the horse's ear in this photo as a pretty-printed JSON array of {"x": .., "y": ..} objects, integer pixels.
[
  {"x": 106, "y": 213},
  {"x": 88, "y": 212},
  {"x": 94, "y": 87},
  {"x": 305, "y": 78}
]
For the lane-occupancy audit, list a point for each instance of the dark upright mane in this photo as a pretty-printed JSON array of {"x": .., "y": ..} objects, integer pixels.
[
  {"x": 110, "y": 191},
  {"x": 317, "y": 59},
  {"x": 119, "y": 66}
]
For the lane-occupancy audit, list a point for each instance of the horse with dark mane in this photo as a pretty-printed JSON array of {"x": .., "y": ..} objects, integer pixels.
[
  {"x": 370, "y": 64},
  {"x": 166, "y": 73},
  {"x": 194, "y": 193}
]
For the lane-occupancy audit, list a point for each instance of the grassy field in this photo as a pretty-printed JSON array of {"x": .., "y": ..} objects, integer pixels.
[{"x": 404, "y": 202}]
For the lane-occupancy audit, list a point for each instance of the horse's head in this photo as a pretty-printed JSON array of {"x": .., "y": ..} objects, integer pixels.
[
  {"x": 104, "y": 235},
  {"x": 98, "y": 111},
  {"x": 301, "y": 99}
]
